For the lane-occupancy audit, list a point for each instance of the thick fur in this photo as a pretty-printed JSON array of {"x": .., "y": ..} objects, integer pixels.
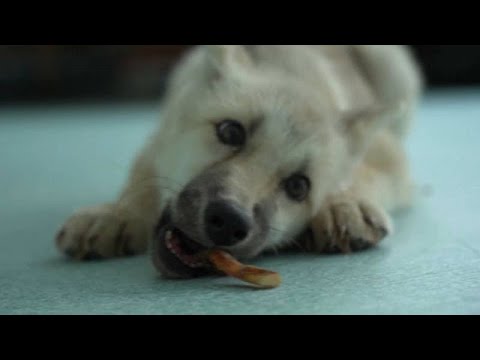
[{"x": 338, "y": 114}]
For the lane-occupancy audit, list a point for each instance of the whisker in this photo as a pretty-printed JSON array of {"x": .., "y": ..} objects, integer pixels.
[
  {"x": 299, "y": 245},
  {"x": 280, "y": 232},
  {"x": 155, "y": 178},
  {"x": 275, "y": 250},
  {"x": 130, "y": 196}
]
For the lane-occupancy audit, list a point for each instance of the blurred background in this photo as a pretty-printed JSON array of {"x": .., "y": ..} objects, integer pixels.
[{"x": 40, "y": 73}]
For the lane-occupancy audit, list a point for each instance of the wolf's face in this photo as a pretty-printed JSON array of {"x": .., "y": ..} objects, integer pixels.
[{"x": 252, "y": 153}]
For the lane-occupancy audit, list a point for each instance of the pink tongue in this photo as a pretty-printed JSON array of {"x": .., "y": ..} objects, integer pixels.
[
  {"x": 175, "y": 245},
  {"x": 187, "y": 258}
]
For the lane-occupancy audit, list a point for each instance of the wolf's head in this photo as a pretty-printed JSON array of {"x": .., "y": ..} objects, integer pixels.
[{"x": 251, "y": 150}]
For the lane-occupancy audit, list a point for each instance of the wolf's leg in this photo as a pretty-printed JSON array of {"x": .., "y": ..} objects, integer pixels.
[
  {"x": 356, "y": 218},
  {"x": 122, "y": 228}
]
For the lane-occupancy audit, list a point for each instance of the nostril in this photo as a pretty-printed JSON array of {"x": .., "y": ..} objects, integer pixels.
[
  {"x": 240, "y": 235},
  {"x": 226, "y": 223},
  {"x": 217, "y": 222}
]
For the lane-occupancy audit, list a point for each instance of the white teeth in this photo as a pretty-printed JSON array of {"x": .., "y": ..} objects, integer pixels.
[
  {"x": 172, "y": 245},
  {"x": 194, "y": 265}
]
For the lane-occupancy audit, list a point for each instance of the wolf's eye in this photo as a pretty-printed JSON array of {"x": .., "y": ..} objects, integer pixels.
[
  {"x": 232, "y": 133},
  {"x": 297, "y": 187}
]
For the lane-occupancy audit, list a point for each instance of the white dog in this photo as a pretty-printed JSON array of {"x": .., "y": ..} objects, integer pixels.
[{"x": 259, "y": 145}]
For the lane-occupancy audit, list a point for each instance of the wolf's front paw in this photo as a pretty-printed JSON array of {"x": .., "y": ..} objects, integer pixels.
[
  {"x": 348, "y": 224},
  {"x": 102, "y": 232}
]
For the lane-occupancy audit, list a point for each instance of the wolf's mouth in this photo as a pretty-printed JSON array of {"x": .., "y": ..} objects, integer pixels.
[
  {"x": 175, "y": 254},
  {"x": 183, "y": 248}
]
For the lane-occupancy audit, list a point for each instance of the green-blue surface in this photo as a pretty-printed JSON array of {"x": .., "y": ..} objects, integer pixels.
[{"x": 56, "y": 159}]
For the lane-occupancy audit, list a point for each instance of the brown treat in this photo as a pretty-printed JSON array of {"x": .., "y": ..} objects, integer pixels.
[{"x": 226, "y": 263}]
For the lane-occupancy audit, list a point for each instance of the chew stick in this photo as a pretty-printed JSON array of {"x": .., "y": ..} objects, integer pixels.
[{"x": 226, "y": 263}]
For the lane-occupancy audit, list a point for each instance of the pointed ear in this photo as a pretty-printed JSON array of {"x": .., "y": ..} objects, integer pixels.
[
  {"x": 361, "y": 126},
  {"x": 223, "y": 57}
]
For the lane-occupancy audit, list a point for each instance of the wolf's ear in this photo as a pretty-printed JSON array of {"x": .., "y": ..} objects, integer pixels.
[
  {"x": 223, "y": 57},
  {"x": 361, "y": 126}
]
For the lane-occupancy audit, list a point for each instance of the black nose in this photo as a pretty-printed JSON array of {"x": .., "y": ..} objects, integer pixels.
[{"x": 226, "y": 224}]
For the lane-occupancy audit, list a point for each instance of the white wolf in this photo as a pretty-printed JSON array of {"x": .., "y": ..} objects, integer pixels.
[{"x": 261, "y": 147}]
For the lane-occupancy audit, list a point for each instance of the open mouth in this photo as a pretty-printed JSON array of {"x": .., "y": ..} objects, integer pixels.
[{"x": 175, "y": 254}]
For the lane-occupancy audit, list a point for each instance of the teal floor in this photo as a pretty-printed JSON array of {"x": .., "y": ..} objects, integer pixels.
[{"x": 54, "y": 159}]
